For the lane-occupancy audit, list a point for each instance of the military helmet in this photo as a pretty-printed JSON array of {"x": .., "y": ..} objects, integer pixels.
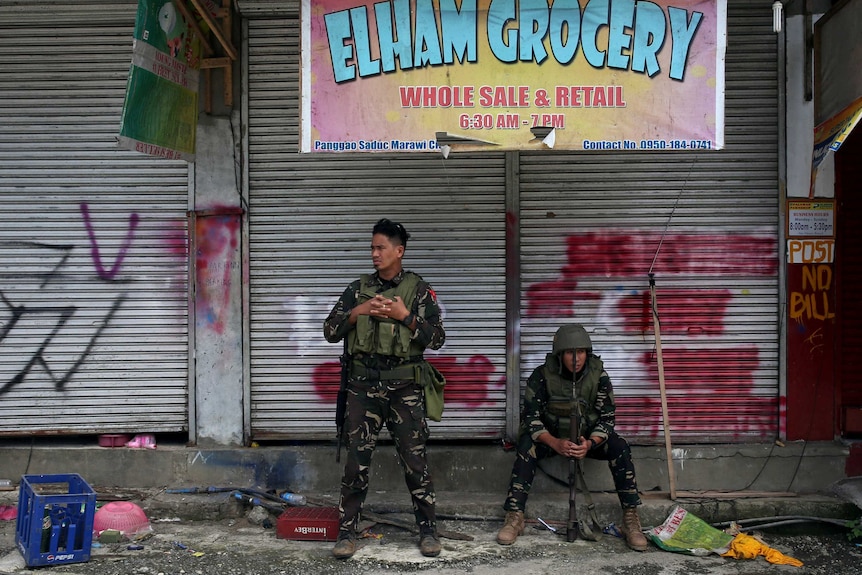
[{"x": 572, "y": 336}]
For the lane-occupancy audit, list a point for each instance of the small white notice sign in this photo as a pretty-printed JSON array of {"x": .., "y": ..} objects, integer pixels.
[{"x": 810, "y": 219}]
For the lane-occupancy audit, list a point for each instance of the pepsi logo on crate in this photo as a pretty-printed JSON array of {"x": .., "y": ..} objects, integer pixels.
[{"x": 308, "y": 524}]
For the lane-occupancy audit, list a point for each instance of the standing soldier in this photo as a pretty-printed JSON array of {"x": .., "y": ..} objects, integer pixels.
[
  {"x": 571, "y": 373},
  {"x": 389, "y": 318}
]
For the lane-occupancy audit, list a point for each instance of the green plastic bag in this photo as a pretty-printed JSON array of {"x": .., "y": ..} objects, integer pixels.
[
  {"x": 433, "y": 383},
  {"x": 685, "y": 533}
]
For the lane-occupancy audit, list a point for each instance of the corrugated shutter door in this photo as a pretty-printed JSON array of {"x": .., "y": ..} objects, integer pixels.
[
  {"x": 310, "y": 220},
  {"x": 93, "y": 262},
  {"x": 594, "y": 224}
]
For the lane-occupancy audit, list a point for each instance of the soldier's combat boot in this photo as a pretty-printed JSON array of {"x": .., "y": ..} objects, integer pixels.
[
  {"x": 345, "y": 546},
  {"x": 632, "y": 529},
  {"x": 513, "y": 526},
  {"x": 429, "y": 543}
]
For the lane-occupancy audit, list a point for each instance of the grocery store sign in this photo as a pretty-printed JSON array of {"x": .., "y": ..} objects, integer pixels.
[{"x": 418, "y": 75}]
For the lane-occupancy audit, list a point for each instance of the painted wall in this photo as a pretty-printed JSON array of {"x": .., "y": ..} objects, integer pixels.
[
  {"x": 217, "y": 298},
  {"x": 810, "y": 304},
  {"x": 810, "y": 351}
]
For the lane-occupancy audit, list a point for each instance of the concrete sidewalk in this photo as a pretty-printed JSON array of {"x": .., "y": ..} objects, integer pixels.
[
  {"x": 715, "y": 482},
  {"x": 798, "y": 467}
]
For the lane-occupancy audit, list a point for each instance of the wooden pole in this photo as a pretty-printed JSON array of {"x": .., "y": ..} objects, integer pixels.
[
  {"x": 215, "y": 29},
  {"x": 664, "y": 413}
]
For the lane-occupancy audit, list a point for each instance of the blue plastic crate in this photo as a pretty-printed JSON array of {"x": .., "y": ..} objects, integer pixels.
[{"x": 55, "y": 519}]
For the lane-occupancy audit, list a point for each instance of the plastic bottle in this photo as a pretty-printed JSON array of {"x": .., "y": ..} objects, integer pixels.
[
  {"x": 45, "y": 544},
  {"x": 246, "y": 498},
  {"x": 293, "y": 499}
]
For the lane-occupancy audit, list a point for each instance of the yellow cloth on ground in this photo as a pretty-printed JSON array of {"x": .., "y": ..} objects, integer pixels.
[{"x": 747, "y": 547}]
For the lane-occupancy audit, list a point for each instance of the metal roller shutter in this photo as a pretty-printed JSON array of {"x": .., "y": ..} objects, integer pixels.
[
  {"x": 310, "y": 220},
  {"x": 93, "y": 263},
  {"x": 590, "y": 226},
  {"x": 594, "y": 224}
]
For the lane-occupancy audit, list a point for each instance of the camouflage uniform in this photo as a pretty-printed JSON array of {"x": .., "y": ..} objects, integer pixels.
[
  {"x": 536, "y": 420},
  {"x": 397, "y": 403}
]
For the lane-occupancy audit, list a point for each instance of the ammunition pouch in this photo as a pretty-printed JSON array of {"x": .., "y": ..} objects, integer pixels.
[
  {"x": 560, "y": 409},
  {"x": 422, "y": 372},
  {"x": 432, "y": 382}
]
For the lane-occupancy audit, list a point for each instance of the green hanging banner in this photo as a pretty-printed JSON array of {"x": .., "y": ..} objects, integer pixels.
[{"x": 161, "y": 106}]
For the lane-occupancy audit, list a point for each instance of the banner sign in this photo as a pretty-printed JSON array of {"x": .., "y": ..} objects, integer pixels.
[
  {"x": 829, "y": 136},
  {"x": 161, "y": 108},
  {"x": 415, "y": 75},
  {"x": 837, "y": 80}
]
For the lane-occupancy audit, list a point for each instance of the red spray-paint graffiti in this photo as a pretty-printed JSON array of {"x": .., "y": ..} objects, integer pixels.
[
  {"x": 467, "y": 383},
  {"x": 610, "y": 254},
  {"x": 684, "y": 312},
  {"x": 216, "y": 243},
  {"x": 717, "y": 384},
  {"x": 706, "y": 387},
  {"x": 616, "y": 255},
  {"x": 641, "y": 416}
]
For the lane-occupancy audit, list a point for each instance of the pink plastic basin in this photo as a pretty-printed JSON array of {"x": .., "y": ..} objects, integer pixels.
[{"x": 123, "y": 516}]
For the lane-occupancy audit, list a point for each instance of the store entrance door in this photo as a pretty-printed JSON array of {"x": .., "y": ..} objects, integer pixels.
[{"x": 848, "y": 193}]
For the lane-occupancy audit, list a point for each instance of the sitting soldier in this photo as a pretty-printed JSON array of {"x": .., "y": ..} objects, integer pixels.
[{"x": 571, "y": 373}]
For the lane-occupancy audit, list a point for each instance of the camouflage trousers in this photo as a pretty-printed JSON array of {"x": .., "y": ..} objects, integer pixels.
[
  {"x": 369, "y": 406},
  {"x": 615, "y": 450}
]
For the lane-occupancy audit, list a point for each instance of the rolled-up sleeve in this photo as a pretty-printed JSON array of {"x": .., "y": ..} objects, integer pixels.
[
  {"x": 606, "y": 408},
  {"x": 429, "y": 330},
  {"x": 535, "y": 404},
  {"x": 337, "y": 323}
]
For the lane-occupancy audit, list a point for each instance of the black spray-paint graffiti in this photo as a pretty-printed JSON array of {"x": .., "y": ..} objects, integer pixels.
[
  {"x": 63, "y": 249},
  {"x": 63, "y": 314},
  {"x": 24, "y": 317}
]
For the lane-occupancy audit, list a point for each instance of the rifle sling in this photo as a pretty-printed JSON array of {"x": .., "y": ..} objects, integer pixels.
[{"x": 591, "y": 507}]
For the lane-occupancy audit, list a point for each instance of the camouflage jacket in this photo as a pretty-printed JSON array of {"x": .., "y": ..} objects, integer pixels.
[
  {"x": 429, "y": 332},
  {"x": 536, "y": 398}
]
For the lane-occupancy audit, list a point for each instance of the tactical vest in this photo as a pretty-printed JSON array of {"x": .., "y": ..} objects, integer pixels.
[
  {"x": 561, "y": 396},
  {"x": 385, "y": 336}
]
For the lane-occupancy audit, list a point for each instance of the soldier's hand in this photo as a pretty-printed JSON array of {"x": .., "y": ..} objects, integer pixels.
[
  {"x": 379, "y": 306},
  {"x": 565, "y": 447},
  {"x": 397, "y": 309},
  {"x": 581, "y": 448}
]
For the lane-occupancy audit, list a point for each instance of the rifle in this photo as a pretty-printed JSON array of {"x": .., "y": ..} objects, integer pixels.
[
  {"x": 341, "y": 402},
  {"x": 573, "y": 525},
  {"x": 576, "y": 528}
]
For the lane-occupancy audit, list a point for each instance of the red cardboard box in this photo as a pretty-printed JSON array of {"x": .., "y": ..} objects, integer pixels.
[{"x": 308, "y": 524}]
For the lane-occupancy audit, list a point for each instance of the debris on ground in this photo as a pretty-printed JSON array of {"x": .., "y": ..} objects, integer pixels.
[{"x": 683, "y": 532}]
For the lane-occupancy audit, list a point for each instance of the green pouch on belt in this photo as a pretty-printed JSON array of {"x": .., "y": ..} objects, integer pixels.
[{"x": 432, "y": 382}]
